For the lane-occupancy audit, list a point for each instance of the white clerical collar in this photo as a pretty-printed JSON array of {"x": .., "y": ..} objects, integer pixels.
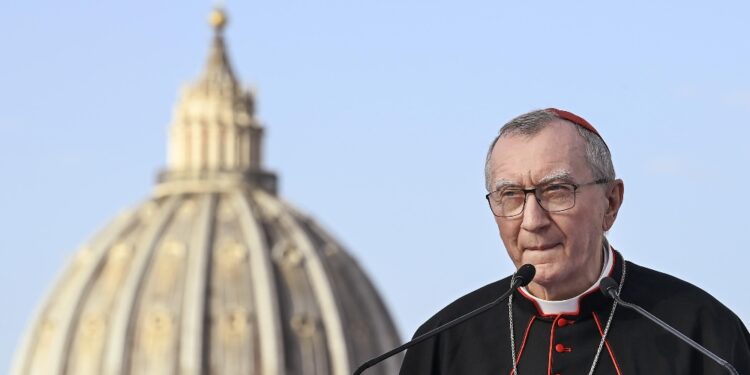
[{"x": 570, "y": 306}]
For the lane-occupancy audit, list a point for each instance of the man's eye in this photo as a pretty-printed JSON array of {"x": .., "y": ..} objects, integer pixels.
[
  {"x": 510, "y": 197},
  {"x": 554, "y": 187},
  {"x": 510, "y": 194},
  {"x": 557, "y": 189}
]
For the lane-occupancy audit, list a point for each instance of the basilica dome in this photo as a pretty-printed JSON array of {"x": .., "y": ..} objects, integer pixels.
[{"x": 214, "y": 273}]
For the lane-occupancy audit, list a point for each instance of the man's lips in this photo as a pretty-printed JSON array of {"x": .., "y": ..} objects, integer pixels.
[{"x": 540, "y": 247}]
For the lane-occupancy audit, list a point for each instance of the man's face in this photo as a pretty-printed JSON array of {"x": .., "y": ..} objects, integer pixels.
[{"x": 565, "y": 247}]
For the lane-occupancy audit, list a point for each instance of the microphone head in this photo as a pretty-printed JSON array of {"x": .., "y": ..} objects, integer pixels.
[
  {"x": 524, "y": 275},
  {"x": 608, "y": 286}
]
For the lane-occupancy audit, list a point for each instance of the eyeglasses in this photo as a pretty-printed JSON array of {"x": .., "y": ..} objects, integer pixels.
[{"x": 555, "y": 197}]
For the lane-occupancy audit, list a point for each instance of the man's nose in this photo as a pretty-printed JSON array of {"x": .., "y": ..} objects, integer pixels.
[{"x": 535, "y": 217}]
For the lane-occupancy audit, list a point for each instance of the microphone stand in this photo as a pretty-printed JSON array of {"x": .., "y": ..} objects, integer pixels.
[{"x": 610, "y": 289}]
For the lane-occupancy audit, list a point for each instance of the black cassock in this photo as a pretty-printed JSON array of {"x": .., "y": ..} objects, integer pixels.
[{"x": 566, "y": 344}]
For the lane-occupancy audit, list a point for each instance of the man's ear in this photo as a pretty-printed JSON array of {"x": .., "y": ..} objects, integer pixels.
[{"x": 614, "y": 194}]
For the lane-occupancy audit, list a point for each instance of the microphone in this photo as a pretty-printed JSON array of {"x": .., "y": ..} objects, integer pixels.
[
  {"x": 609, "y": 287},
  {"x": 522, "y": 277}
]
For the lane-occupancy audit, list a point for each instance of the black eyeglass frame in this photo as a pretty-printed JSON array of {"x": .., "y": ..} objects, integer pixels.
[{"x": 534, "y": 190}]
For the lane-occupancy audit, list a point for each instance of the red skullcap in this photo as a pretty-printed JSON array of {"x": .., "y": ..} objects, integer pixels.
[{"x": 578, "y": 120}]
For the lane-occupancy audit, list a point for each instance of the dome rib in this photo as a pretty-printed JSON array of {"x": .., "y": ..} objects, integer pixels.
[
  {"x": 194, "y": 302},
  {"x": 334, "y": 330},
  {"x": 264, "y": 291},
  {"x": 84, "y": 265},
  {"x": 117, "y": 350},
  {"x": 359, "y": 302}
]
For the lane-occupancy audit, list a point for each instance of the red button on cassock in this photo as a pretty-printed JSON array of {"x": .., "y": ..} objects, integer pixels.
[
  {"x": 562, "y": 322},
  {"x": 560, "y": 348}
]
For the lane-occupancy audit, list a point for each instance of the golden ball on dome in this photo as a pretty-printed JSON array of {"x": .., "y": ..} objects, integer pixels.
[{"x": 217, "y": 19}]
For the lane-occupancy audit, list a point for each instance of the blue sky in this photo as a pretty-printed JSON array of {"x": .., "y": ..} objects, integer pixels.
[{"x": 378, "y": 115}]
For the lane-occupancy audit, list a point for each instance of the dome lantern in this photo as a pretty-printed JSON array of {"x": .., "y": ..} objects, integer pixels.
[{"x": 214, "y": 138}]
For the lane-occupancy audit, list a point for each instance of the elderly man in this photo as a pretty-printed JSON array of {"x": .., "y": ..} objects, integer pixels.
[{"x": 553, "y": 192}]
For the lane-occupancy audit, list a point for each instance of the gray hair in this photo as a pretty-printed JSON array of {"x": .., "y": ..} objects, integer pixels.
[{"x": 597, "y": 153}]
